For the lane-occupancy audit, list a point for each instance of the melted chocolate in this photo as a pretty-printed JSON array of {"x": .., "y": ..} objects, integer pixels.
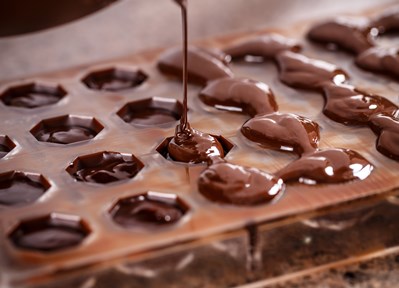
[
  {"x": 203, "y": 64},
  {"x": 18, "y": 188},
  {"x": 115, "y": 79},
  {"x": 388, "y": 21},
  {"x": 228, "y": 183},
  {"x": 143, "y": 210},
  {"x": 65, "y": 134},
  {"x": 298, "y": 71},
  {"x": 327, "y": 166},
  {"x": 32, "y": 96},
  {"x": 284, "y": 132},
  {"x": 266, "y": 46},
  {"x": 105, "y": 167},
  {"x": 381, "y": 60},
  {"x": 241, "y": 95},
  {"x": 387, "y": 129},
  {"x": 350, "y": 34},
  {"x": 49, "y": 233},
  {"x": 350, "y": 106},
  {"x": 3, "y": 150}
]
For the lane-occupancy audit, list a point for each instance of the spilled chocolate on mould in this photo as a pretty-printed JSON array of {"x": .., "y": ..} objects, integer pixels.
[
  {"x": 239, "y": 95},
  {"x": 266, "y": 46},
  {"x": 227, "y": 183},
  {"x": 284, "y": 132},
  {"x": 327, "y": 166},
  {"x": 387, "y": 129}
]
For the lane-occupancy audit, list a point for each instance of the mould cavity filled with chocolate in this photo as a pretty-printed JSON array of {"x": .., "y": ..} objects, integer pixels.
[
  {"x": 66, "y": 129},
  {"x": 105, "y": 167},
  {"x": 6, "y": 145},
  {"x": 32, "y": 95},
  {"x": 148, "y": 210},
  {"x": 153, "y": 111},
  {"x": 115, "y": 79},
  {"x": 21, "y": 188},
  {"x": 50, "y": 233}
]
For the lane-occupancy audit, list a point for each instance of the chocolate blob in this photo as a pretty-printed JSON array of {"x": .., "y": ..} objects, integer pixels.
[
  {"x": 115, "y": 79},
  {"x": 105, "y": 167},
  {"x": 192, "y": 146},
  {"x": 19, "y": 188},
  {"x": 146, "y": 210},
  {"x": 228, "y": 183},
  {"x": 32, "y": 95},
  {"x": 266, "y": 46},
  {"x": 387, "y": 129},
  {"x": 240, "y": 95},
  {"x": 380, "y": 60},
  {"x": 387, "y": 21},
  {"x": 284, "y": 132},
  {"x": 50, "y": 233},
  {"x": 203, "y": 64},
  {"x": 350, "y": 106},
  {"x": 327, "y": 166},
  {"x": 298, "y": 71},
  {"x": 350, "y": 34}
]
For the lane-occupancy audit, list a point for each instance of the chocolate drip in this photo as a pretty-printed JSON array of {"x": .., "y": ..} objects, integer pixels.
[
  {"x": 327, "y": 166},
  {"x": 228, "y": 183},
  {"x": 350, "y": 34},
  {"x": 284, "y": 132},
  {"x": 65, "y": 134},
  {"x": 387, "y": 129},
  {"x": 298, "y": 71},
  {"x": 241, "y": 95},
  {"x": 203, "y": 64},
  {"x": 350, "y": 106},
  {"x": 266, "y": 46},
  {"x": 381, "y": 60}
]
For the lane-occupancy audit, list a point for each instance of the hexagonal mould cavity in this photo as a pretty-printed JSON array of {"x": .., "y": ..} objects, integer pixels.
[
  {"x": 66, "y": 129},
  {"x": 163, "y": 147},
  {"x": 32, "y": 95},
  {"x": 20, "y": 188},
  {"x": 105, "y": 167},
  {"x": 153, "y": 111},
  {"x": 114, "y": 79},
  {"x": 50, "y": 233},
  {"x": 6, "y": 145},
  {"x": 149, "y": 209}
]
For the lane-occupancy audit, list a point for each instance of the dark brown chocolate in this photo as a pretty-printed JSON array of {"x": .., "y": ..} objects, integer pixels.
[
  {"x": 284, "y": 132},
  {"x": 350, "y": 34},
  {"x": 3, "y": 150},
  {"x": 203, "y": 65},
  {"x": 115, "y": 79},
  {"x": 388, "y": 21},
  {"x": 32, "y": 95},
  {"x": 380, "y": 60},
  {"x": 350, "y": 106},
  {"x": 6, "y": 145},
  {"x": 19, "y": 188},
  {"x": 239, "y": 95},
  {"x": 50, "y": 233},
  {"x": 299, "y": 71},
  {"x": 150, "y": 209},
  {"x": 228, "y": 183},
  {"x": 327, "y": 166},
  {"x": 266, "y": 46},
  {"x": 387, "y": 129},
  {"x": 105, "y": 167}
]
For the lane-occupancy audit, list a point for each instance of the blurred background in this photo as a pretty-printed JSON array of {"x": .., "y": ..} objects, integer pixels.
[{"x": 133, "y": 25}]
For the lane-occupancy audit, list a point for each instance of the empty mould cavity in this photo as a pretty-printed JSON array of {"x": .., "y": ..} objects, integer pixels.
[
  {"x": 50, "y": 233},
  {"x": 66, "y": 129},
  {"x": 114, "y": 79},
  {"x": 105, "y": 167},
  {"x": 163, "y": 148},
  {"x": 150, "y": 209},
  {"x": 6, "y": 145},
  {"x": 21, "y": 188},
  {"x": 32, "y": 95},
  {"x": 153, "y": 111}
]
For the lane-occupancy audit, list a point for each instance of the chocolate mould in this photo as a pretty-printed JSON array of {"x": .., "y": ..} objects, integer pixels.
[
  {"x": 211, "y": 229},
  {"x": 6, "y": 145}
]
